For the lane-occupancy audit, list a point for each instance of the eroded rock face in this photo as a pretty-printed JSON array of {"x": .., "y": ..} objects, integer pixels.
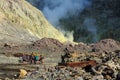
[{"x": 21, "y": 22}]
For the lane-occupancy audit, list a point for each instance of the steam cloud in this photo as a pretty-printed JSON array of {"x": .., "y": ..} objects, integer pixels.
[{"x": 54, "y": 10}]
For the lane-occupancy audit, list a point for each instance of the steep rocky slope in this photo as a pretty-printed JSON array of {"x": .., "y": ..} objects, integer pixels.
[{"x": 21, "y": 22}]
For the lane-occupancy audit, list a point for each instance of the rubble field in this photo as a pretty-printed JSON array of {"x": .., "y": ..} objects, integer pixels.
[{"x": 63, "y": 61}]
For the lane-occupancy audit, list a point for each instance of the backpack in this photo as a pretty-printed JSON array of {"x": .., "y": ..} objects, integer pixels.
[{"x": 36, "y": 58}]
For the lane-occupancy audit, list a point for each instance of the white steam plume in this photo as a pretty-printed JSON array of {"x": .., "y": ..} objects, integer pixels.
[{"x": 54, "y": 10}]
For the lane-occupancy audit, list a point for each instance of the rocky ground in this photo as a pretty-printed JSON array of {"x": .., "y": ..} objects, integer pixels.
[{"x": 106, "y": 54}]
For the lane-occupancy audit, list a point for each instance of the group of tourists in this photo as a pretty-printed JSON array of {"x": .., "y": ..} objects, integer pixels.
[{"x": 34, "y": 57}]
